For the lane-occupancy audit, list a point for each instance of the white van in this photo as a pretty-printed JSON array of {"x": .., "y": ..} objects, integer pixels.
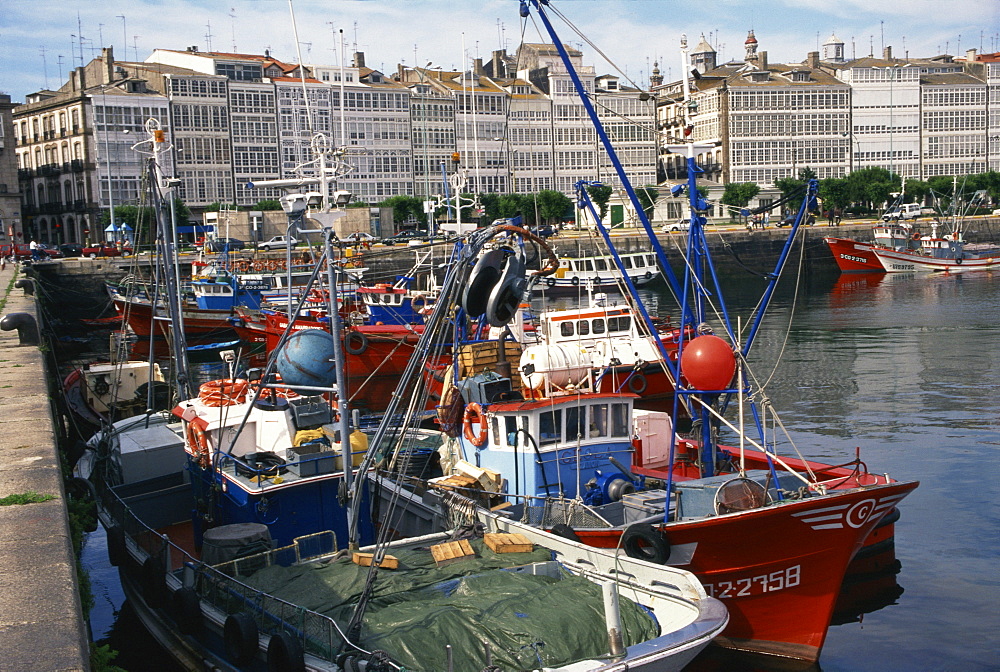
[{"x": 904, "y": 211}]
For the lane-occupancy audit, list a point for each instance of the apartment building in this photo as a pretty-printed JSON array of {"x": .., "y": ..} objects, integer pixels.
[{"x": 10, "y": 194}]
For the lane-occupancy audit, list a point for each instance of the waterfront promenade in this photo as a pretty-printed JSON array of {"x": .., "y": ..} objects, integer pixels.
[{"x": 41, "y": 621}]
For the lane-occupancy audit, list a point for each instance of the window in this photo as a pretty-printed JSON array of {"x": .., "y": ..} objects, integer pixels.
[
  {"x": 566, "y": 329},
  {"x": 549, "y": 427},
  {"x": 510, "y": 430},
  {"x": 598, "y": 326},
  {"x": 583, "y": 327},
  {"x": 598, "y": 420},
  {"x": 619, "y": 420},
  {"x": 576, "y": 426}
]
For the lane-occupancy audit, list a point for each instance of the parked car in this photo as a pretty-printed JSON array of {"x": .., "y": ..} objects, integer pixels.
[
  {"x": 790, "y": 219},
  {"x": 904, "y": 212},
  {"x": 71, "y": 249},
  {"x": 19, "y": 251},
  {"x": 544, "y": 231},
  {"x": 679, "y": 225},
  {"x": 50, "y": 251},
  {"x": 106, "y": 250},
  {"x": 360, "y": 237},
  {"x": 224, "y": 244},
  {"x": 406, "y": 236},
  {"x": 278, "y": 243}
]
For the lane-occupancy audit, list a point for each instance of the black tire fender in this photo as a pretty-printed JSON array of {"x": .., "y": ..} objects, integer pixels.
[
  {"x": 154, "y": 586},
  {"x": 116, "y": 546},
  {"x": 285, "y": 654},
  {"x": 644, "y": 542},
  {"x": 637, "y": 383},
  {"x": 355, "y": 342},
  {"x": 240, "y": 636},
  {"x": 187, "y": 611}
]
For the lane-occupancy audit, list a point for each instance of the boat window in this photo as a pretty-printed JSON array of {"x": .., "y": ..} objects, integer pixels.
[
  {"x": 598, "y": 326},
  {"x": 582, "y": 327},
  {"x": 566, "y": 328},
  {"x": 549, "y": 424},
  {"x": 619, "y": 419},
  {"x": 627, "y": 262},
  {"x": 588, "y": 265},
  {"x": 495, "y": 432},
  {"x": 510, "y": 429},
  {"x": 602, "y": 264},
  {"x": 651, "y": 260},
  {"x": 576, "y": 427},
  {"x": 598, "y": 420},
  {"x": 619, "y": 323}
]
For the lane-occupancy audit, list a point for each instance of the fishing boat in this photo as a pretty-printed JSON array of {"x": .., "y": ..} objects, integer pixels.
[
  {"x": 546, "y": 449},
  {"x": 854, "y": 256},
  {"x": 936, "y": 253},
  {"x": 576, "y": 274},
  {"x": 104, "y": 391},
  {"x": 223, "y": 514}
]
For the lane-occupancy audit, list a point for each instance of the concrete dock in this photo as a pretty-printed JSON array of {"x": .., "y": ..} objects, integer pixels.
[{"x": 41, "y": 621}]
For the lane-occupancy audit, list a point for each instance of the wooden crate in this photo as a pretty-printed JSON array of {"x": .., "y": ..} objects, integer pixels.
[
  {"x": 475, "y": 358},
  {"x": 451, "y": 551},
  {"x": 365, "y": 560},
  {"x": 460, "y": 482},
  {"x": 508, "y": 543}
]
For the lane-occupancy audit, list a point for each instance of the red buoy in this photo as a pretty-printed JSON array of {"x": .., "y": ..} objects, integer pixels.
[{"x": 708, "y": 363}]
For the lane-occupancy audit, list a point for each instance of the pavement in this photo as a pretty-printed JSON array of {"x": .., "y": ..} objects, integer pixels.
[{"x": 41, "y": 621}]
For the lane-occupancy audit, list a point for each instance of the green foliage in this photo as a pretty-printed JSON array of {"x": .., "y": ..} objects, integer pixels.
[
  {"x": 834, "y": 193},
  {"x": 552, "y": 205},
  {"x": 404, "y": 208},
  {"x": 266, "y": 204},
  {"x": 600, "y": 196},
  {"x": 491, "y": 206},
  {"x": 738, "y": 194},
  {"x": 101, "y": 657},
  {"x": 25, "y": 498},
  {"x": 647, "y": 196},
  {"x": 790, "y": 186}
]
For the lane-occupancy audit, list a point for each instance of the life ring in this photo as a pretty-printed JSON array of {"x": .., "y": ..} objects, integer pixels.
[
  {"x": 284, "y": 653},
  {"x": 644, "y": 542},
  {"x": 550, "y": 281},
  {"x": 574, "y": 281},
  {"x": 223, "y": 392},
  {"x": 240, "y": 636},
  {"x": 916, "y": 236},
  {"x": 474, "y": 414},
  {"x": 198, "y": 444},
  {"x": 187, "y": 610},
  {"x": 355, "y": 342},
  {"x": 276, "y": 392},
  {"x": 637, "y": 383},
  {"x": 418, "y": 303}
]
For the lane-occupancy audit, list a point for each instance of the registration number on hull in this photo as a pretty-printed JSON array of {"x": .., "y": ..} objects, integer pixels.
[{"x": 756, "y": 585}]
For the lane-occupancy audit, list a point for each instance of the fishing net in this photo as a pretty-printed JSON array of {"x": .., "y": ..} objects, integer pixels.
[{"x": 528, "y": 619}]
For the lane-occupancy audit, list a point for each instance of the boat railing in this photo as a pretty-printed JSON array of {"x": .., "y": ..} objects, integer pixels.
[{"x": 220, "y": 585}]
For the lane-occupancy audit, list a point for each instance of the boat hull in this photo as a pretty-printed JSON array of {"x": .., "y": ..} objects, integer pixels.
[
  {"x": 909, "y": 262},
  {"x": 852, "y": 256},
  {"x": 780, "y": 603}
]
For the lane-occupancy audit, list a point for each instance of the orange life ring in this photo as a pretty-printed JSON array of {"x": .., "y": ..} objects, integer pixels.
[
  {"x": 474, "y": 413},
  {"x": 197, "y": 442},
  {"x": 272, "y": 392},
  {"x": 223, "y": 392},
  {"x": 418, "y": 303},
  {"x": 916, "y": 236}
]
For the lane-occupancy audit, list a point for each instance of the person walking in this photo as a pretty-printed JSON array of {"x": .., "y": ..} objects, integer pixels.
[{"x": 33, "y": 246}]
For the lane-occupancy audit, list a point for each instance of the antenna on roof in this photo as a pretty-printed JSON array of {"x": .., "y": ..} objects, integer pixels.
[
  {"x": 232, "y": 15},
  {"x": 208, "y": 38}
]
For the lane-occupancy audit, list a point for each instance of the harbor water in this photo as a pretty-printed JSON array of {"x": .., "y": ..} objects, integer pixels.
[{"x": 904, "y": 367}]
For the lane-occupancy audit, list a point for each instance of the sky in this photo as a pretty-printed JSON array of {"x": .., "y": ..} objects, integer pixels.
[{"x": 40, "y": 40}]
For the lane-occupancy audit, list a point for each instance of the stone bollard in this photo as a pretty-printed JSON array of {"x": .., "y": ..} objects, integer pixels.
[
  {"x": 27, "y": 328},
  {"x": 27, "y": 285}
]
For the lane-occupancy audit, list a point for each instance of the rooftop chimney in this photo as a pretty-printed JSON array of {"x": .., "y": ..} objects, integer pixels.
[
  {"x": 812, "y": 60},
  {"x": 107, "y": 53},
  {"x": 762, "y": 60},
  {"x": 887, "y": 53},
  {"x": 970, "y": 55},
  {"x": 477, "y": 67},
  {"x": 499, "y": 69},
  {"x": 359, "y": 59}
]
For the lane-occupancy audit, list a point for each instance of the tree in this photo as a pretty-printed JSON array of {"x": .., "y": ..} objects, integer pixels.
[
  {"x": 871, "y": 187},
  {"x": 552, "y": 205},
  {"x": 266, "y": 204},
  {"x": 404, "y": 207},
  {"x": 790, "y": 187},
  {"x": 834, "y": 193},
  {"x": 600, "y": 195},
  {"x": 738, "y": 194},
  {"x": 647, "y": 196}
]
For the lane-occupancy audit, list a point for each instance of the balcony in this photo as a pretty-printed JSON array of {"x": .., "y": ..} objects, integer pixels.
[
  {"x": 25, "y": 173},
  {"x": 51, "y": 208},
  {"x": 49, "y": 170},
  {"x": 80, "y": 205},
  {"x": 27, "y": 209},
  {"x": 76, "y": 165}
]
